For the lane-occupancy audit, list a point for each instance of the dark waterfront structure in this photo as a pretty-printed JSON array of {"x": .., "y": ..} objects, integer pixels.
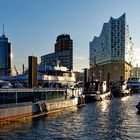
[
  {"x": 111, "y": 53},
  {"x": 5, "y": 56},
  {"x": 32, "y": 62},
  {"x": 63, "y": 53}
]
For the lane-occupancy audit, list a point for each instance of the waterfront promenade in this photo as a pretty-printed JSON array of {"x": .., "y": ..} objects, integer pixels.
[{"x": 107, "y": 120}]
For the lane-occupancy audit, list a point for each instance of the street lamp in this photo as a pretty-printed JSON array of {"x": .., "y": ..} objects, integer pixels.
[
  {"x": 100, "y": 73},
  {"x": 136, "y": 74}
]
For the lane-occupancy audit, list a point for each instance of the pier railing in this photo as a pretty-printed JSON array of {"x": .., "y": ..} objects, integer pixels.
[
  {"x": 11, "y": 96},
  {"x": 20, "y": 95}
]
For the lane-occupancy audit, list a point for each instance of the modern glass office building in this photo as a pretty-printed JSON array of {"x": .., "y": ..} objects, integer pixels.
[
  {"x": 63, "y": 53},
  {"x": 111, "y": 53},
  {"x": 5, "y": 56}
]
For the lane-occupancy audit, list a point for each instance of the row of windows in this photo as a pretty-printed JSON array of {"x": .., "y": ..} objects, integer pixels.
[
  {"x": 119, "y": 40},
  {"x": 8, "y": 98}
]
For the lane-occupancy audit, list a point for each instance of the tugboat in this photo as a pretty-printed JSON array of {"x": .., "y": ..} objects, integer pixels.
[
  {"x": 119, "y": 90},
  {"x": 138, "y": 106},
  {"x": 97, "y": 92}
]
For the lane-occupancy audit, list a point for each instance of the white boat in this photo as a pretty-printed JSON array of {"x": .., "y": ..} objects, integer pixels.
[
  {"x": 55, "y": 93},
  {"x": 21, "y": 102},
  {"x": 48, "y": 77}
]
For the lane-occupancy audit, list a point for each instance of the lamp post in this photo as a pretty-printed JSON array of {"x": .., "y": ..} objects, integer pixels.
[
  {"x": 100, "y": 84},
  {"x": 100, "y": 78},
  {"x": 135, "y": 73}
]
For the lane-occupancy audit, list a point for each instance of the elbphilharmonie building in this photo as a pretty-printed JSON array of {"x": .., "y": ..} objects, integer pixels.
[{"x": 111, "y": 53}]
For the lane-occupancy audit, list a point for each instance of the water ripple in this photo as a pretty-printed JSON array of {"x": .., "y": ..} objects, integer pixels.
[{"x": 114, "y": 119}]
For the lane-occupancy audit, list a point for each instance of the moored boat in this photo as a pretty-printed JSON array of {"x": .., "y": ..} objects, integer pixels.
[
  {"x": 119, "y": 90},
  {"x": 97, "y": 92},
  {"x": 54, "y": 89},
  {"x": 138, "y": 106},
  {"x": 18, "y": 103}
]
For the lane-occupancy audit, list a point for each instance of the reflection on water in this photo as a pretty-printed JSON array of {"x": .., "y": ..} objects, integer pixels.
[
  {"x": 109, "y": 119},
  {"x": 103, "y": 106},
  {"x": 125, "y": 98}
]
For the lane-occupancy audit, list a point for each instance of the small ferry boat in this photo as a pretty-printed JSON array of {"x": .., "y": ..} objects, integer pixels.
[{"x": 17, "y": 103}]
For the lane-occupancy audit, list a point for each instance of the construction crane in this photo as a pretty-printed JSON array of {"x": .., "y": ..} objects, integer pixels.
[
  {"x": 15, "y": 69},
  {"x": 23, "y": 69}
]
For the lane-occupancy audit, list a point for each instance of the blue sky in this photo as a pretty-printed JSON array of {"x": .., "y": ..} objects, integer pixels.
[{"x": 33, "y": 25}]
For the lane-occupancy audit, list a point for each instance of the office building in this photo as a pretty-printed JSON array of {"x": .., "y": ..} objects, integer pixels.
[
  {"x": 111, "y": 53},
  {"x": 5, "y": 56},
  {"x": 63, "y": 52}
]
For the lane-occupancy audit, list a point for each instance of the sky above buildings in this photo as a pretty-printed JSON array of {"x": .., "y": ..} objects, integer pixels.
[{"x": 33, "y": 25}]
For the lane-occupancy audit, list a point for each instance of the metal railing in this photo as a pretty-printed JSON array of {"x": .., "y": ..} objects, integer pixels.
[{"x": 14, "y": 96}]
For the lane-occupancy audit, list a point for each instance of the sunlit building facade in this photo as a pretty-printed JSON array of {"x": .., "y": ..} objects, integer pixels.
[{"x": 111, "y": 53}]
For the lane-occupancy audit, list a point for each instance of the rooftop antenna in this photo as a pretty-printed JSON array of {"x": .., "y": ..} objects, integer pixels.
[{"x": 3, "y": 30}]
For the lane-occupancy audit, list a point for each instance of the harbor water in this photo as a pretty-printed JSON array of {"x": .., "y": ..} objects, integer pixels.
[{"x": 104, "y": 120}]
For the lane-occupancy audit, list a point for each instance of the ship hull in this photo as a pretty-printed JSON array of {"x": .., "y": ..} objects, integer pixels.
[
  {"x": 19, "y": 103},
  {"x": 18, "y": 111}
]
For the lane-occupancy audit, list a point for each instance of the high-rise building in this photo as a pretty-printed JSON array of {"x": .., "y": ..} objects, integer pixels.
[
  {"x": 63, "y": 43},
  {"x": 111, "y": 53},
  {"x": 63, "y": 52},
  {"x": 5, "y": 56}
]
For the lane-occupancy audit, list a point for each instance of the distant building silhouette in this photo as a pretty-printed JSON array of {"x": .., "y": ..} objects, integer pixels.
[
  {"x": 63, "y": 52},
  {"x": 5, "y": 56}
]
